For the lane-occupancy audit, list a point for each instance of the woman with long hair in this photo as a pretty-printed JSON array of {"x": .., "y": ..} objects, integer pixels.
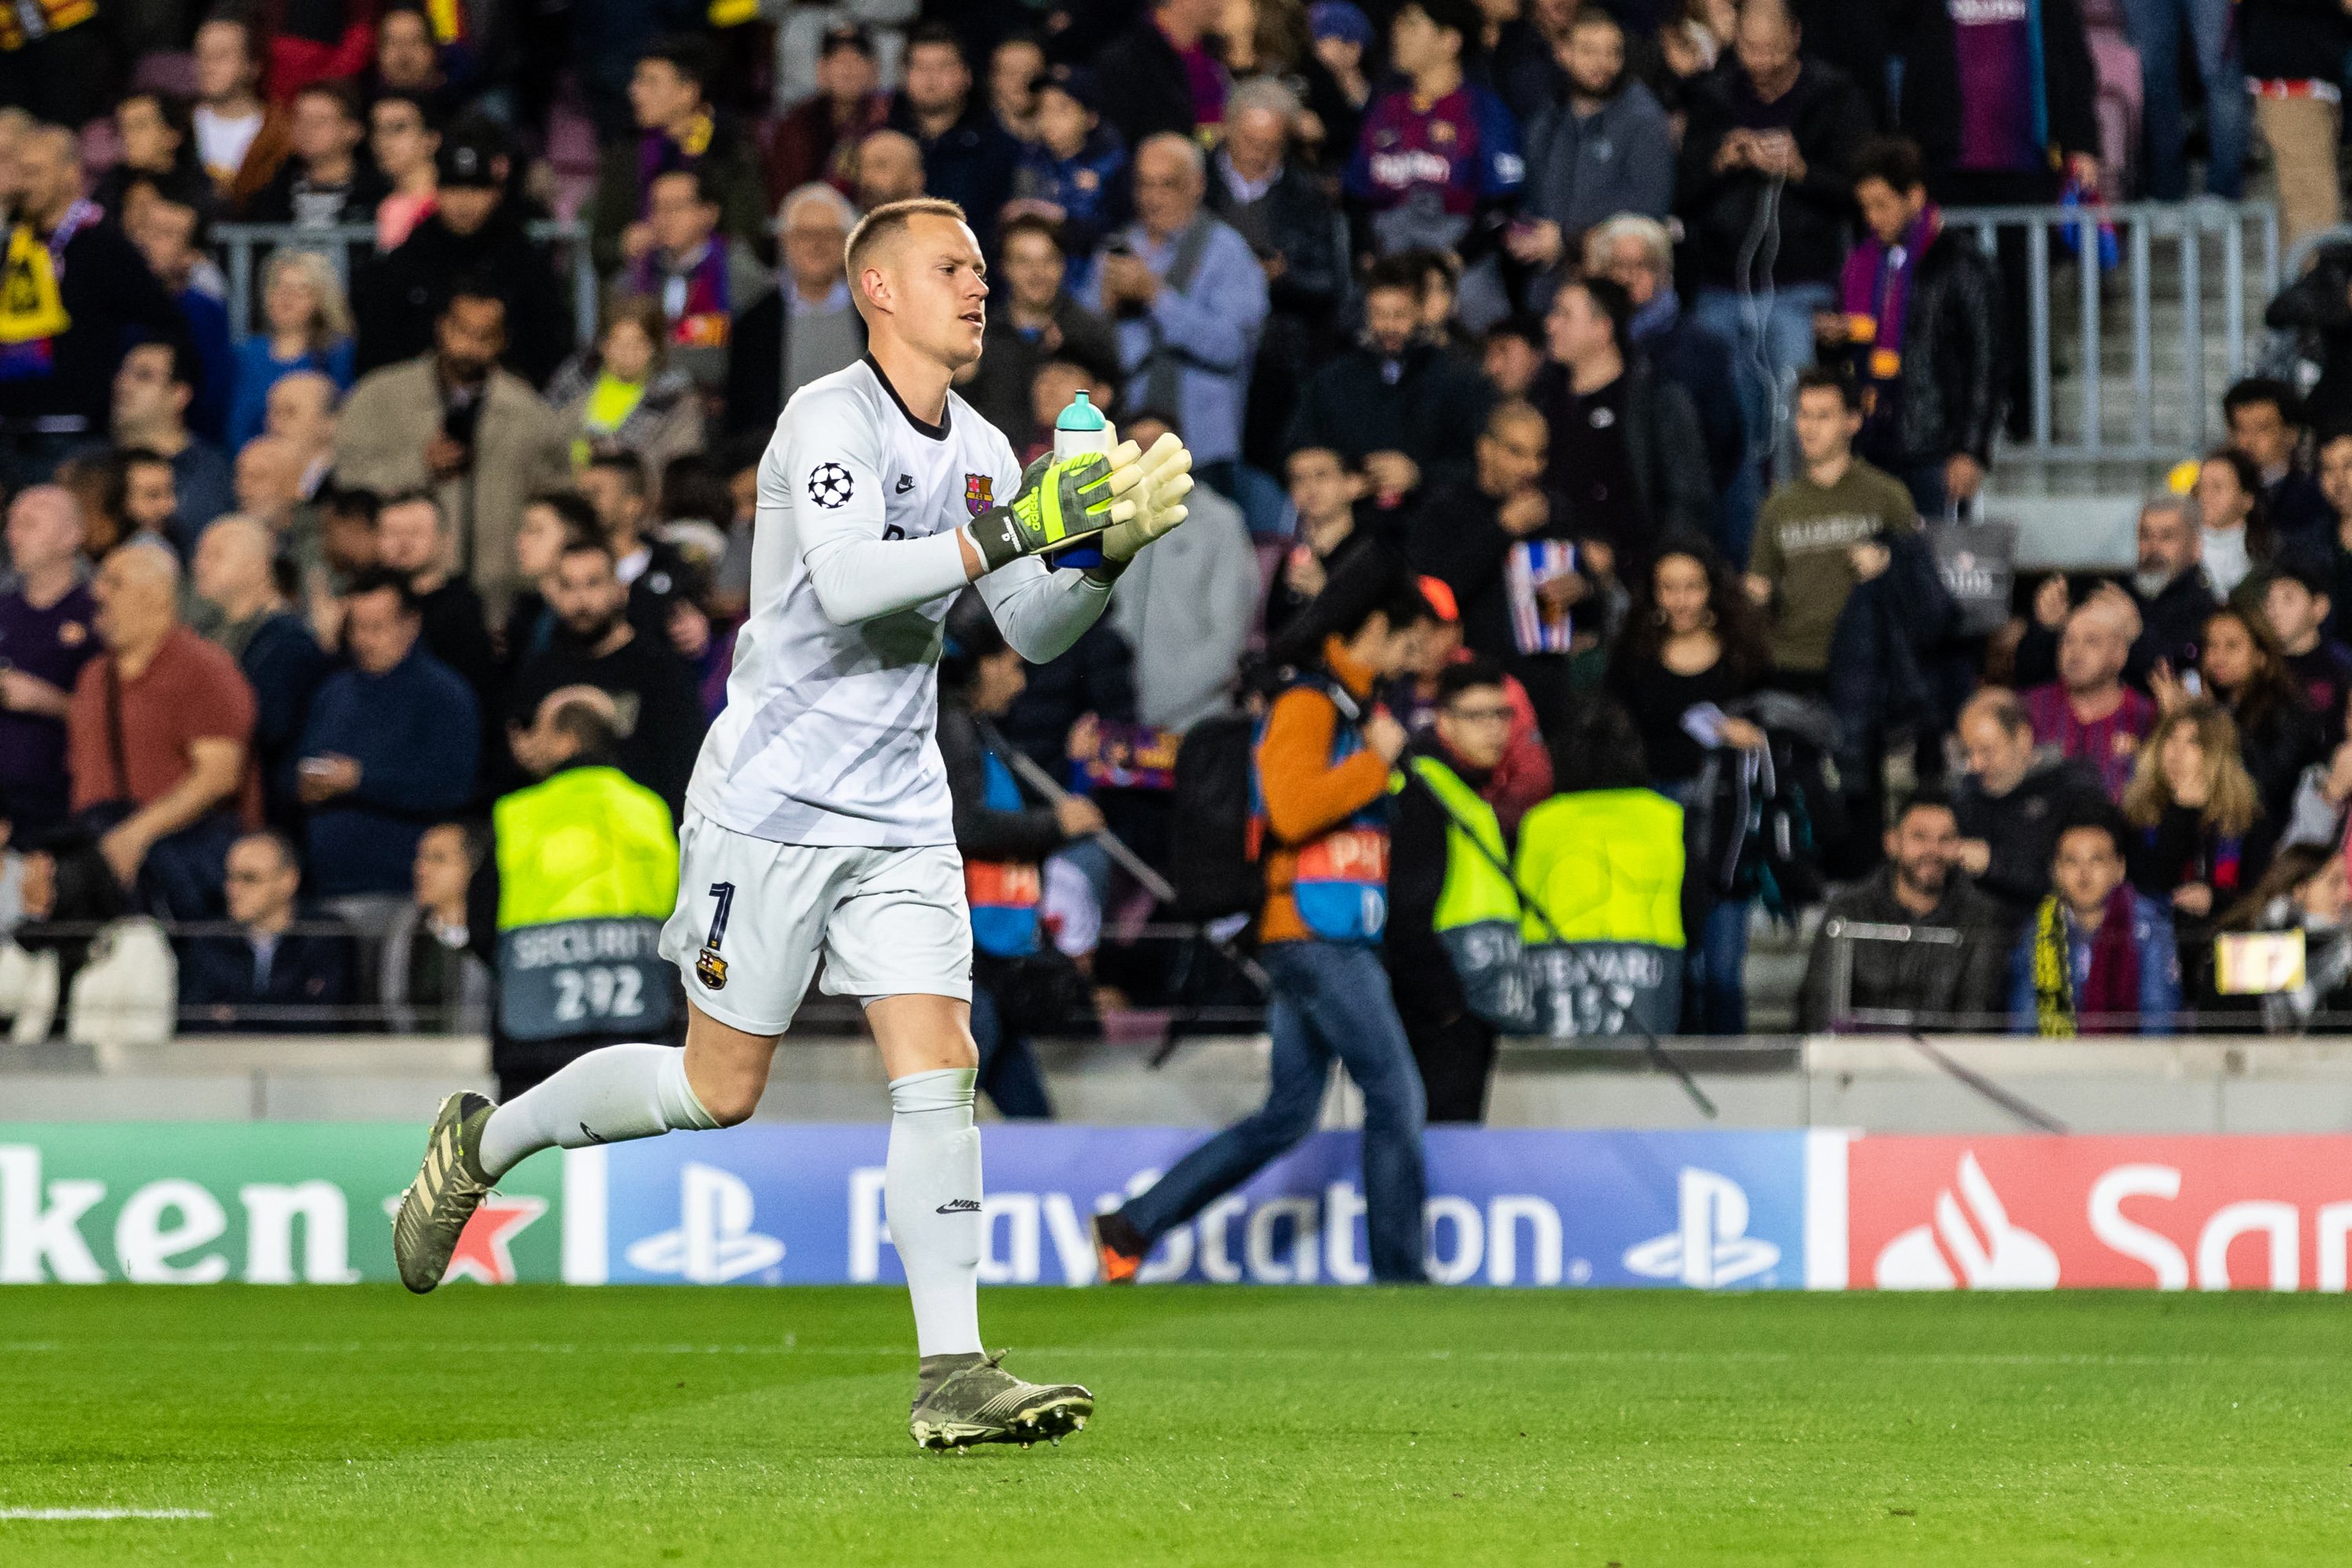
[
  {"x": 2199, "y": 838},
  {"x": 1692, "y": 644},
  {"x": 624, "y": 395},
  {"x": 2246, "y": 672},
  {"x": 2237, "y": 524},
  {"x": 306, "y": 325}
]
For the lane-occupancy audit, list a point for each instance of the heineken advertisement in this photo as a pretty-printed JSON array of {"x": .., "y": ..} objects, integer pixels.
[{"x": 269, "y": 1202}]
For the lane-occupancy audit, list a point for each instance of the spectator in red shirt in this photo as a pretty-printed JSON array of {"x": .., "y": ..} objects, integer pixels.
[
  {"x": 158, "y": 741},
  {"x": 818, "y": 140},
  {"x": 2089, "y": 713}
]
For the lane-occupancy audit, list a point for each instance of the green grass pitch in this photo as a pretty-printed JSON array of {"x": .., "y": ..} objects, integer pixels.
[{"x": 546, "y": 1425}]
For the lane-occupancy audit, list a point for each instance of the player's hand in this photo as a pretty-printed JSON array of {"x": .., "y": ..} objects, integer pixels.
[
  {"x": 1061, "y": 502},
  {"x": 1156, "y": 505}
]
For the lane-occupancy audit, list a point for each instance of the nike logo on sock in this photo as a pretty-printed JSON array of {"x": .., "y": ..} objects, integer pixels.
[
  {"x": 590, "y": 1131},
  {"x": 959, "y": 1205}
]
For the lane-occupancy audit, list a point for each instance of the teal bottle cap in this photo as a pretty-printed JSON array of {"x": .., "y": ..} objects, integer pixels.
[{"x": 1081, "y": 414}]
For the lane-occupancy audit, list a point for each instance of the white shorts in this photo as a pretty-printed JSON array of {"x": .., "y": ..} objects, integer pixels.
[{"x": 755, "y": 916}]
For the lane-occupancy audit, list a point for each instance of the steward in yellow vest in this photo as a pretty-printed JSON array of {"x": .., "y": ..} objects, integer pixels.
[{"x": 582, "y": 872}]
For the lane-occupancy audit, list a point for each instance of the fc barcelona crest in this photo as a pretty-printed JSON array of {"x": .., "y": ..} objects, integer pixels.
[{"x": 979, "y": 493}]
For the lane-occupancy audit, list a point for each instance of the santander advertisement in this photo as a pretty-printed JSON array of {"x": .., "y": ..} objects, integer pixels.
[{"x": 2041, "y": 1212}]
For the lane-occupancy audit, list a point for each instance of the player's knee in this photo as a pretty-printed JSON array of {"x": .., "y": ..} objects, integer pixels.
[{"x": 732, "y": 1101}]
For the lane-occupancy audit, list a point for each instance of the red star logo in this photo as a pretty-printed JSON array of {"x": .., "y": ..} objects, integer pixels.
[{"x": 484, "y": 1253}]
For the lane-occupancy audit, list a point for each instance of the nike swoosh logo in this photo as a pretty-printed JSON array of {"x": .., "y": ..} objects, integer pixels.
[
  {"x": 905, "y": 483},
  {"x": 959, "y": 1205}
]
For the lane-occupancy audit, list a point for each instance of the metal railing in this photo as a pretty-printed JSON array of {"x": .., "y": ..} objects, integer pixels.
[
  {"x": 242, "y": 245},
  {"x": 2142, "y": 229}
]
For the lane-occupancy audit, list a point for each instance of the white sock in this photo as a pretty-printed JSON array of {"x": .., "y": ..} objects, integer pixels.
[
  {"x": 930, "y": 1192},
  {"x": 608, "y": 1096}
]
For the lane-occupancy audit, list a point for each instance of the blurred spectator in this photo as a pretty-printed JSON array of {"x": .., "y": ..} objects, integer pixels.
[
  {"x": 306, "y": 326},
  {"x": 677, "y": 132},
  {"x": 86, "y": 294},
  {"x": 267, "y": 978},
  {"x": 1094, "y": 679},
  {"x": 1073, "y": 169},
  {"x": 2235, "y": 537},
  {"x": 706, "y": 282},
  {"x": 326, "y": 563},
  {"x": 1169, "y": 77},
  {"x": 2099, "y": 955},
  {"x": 55, "y": 64},
  {"x": 430, "y": 980},
  {"x": 1510, "y": 354},
  {"x": 2170, "y": 590},
  {"x": 1325, "y": 490},
  {"x": 408, "y": 59},
  {"x": 625, "y": 396},
  {"x": 2209, "y": 30},
  {"x": 658, "y": 718},
  {"x": 2265, "y": 421},
  {"x": 1438, "y": 158},
  {"x": 1004, "y": 841},
  {"x": 138, "y": 497},
  {"x": 663, "y": 589},
  {"x": 2297, "y": 605},
  {"x": 1924, "y": 984},
  {"x": 1016, "y": 69},
  {"x": 553, "y": 523},
  {"x": 818, "y": 140},
  {"x": 1322, "y": 778},
  {"x": 326, "y": 41},
  {"x": 1342, "y": 37},
  {"x": 158, "y": 741},
  {"x": 234, "y": 573},
  {"x": 2088, "y": 714},
  {"x": 1189, "y": 606},
  {"x": 888, "y": 168},
  {"x": 453, "y": 420},
  {"x": 1524, "y": 775},
  {"x": 2294, "y": 55},
  {"x": 1463, "y": 534},
  {"x": 1768, "y": 146},
  {"x": 1920, "y": 314},
  {"x": 326, "y": 183},
  {"x": 1819, "y": 536},
  {"x": 1032, "y": 315},
  {"x": 392, "y": 743},
  {"x": 1601, "y": 150},
  {"x": 2331, "y": 552},
  {"x": 403, "y": 142},
  {"x": 2305, "y": 890},
  {"x": 823, "y": 331},
  {"x": 157, "y": 137},
  {"x": 300, "y": 411},
  {"x": 2247, "y": 674},
  {"x": 1638, "y": 256},
  {"x": 1626, "y": 463},
  {"x": 2199, "y": 836},
  {"x": 416, "y": 541},
  {"x": 1399, "y": 406},
  {"x": 167, "y": 226},
  {"x": 967, "y": 158},
  {"x": 240, "y": 139},
  {"x": 152, "y": 393},
  {"x": 1452, "y": 1048},
  {"x": 472, "y": 239},
  {"x": 46, "y": 618},
  {"x": 1189, "y": 300},
  {"x": 269, "y": 477},
  {"x": 2012, "y": 800}
]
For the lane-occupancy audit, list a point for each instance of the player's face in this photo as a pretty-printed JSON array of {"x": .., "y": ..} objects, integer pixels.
[{"x": 937, "y": 289}]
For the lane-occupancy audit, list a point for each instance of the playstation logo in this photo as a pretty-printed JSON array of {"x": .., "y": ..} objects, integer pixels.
[
  {"x": 714, "y": 1241},
  {"x": 1711, "y": 1247}
]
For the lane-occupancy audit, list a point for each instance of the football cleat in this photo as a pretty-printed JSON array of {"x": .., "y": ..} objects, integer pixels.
[
  {"x": 983, "y": 1402},
  {"x": 448, "y": 1186},
  {"x": 1118, "y": 1251}
]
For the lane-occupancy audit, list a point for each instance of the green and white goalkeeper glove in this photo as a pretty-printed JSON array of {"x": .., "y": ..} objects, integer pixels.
[
  {"x": 1158, "y": 501},
  {"x": 1060, "y": 504}
]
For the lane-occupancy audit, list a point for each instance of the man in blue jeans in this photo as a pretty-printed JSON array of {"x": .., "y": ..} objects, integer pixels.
[{"x": 1322, "y": 776}]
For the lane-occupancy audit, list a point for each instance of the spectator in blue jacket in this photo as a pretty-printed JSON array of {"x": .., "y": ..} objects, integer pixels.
[
  {"x": 968, "y": 157},
  {"x": 267, "y": 977},
  {"x": 306, "y": 325},
  {"x": 234, "y": 573},
  {"x": 2099, "y": 955},
  {"x": 1075, "y": 171},
  {"x": 390, "y": 748},
  {"x": 1190, "y": 298}
]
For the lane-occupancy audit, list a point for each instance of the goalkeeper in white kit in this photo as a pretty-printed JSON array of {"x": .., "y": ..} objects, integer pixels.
[{"x": 818, "y": 821}]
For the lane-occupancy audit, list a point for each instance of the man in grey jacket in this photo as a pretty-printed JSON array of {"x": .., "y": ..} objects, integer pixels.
[
  {"x": 1189, "y": 606},
  {"x": 1603, "y": 149}
]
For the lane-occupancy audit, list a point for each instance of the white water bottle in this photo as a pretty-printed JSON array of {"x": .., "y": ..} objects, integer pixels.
[{"x": 1081, "y": 429}]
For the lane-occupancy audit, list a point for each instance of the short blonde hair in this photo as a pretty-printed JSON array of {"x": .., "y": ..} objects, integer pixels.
[
  {"x": 887, "y": 222},
  {"x": 331, "y": 318}
]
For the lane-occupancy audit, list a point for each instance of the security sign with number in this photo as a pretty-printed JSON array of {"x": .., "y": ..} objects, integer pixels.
[{"x": 583, "y": 977}]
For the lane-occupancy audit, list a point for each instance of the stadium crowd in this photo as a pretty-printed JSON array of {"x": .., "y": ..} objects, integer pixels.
[{"x": 1567, "y": 384}]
